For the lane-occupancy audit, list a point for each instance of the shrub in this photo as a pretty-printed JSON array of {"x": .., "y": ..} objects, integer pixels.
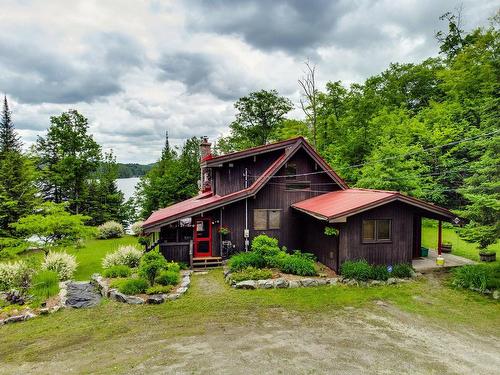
[
  {"x": 297, "y": 265},
  {"x": 136, "y": 228},
  {"x": 183, "y": 265},
  {"x": 159, "y": 289},
  {"x": 117, "y": 271},
  {"x": 402, "y": 270},
  {"x": 168, "y": 278},
  {"x": 379, "y": 272},
  {"x": 62, "y": 263},
  {"x": 110, "y": 229},
  {"x": 173, "y": 266},
  {"x": 356, "y": 269},
  {"x": 244, "y": 260},
  {"x": 472, "y": 276},
  {"x": 129, "y": 256},
  {"x": 151, "y": 264},
  {"x": 45, "y": 284},
  {"x": 251, "y": 273},
  {"x": 131, "y": 286},
  {"x": 265, "y": 245},
  {"x": 10, "y": 247},
  {"x": 16, "y": 275}
]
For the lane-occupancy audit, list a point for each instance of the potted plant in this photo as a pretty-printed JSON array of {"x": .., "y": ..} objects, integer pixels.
[
  {"x": 446, "y": 247},
  {"x": 487, "y": 255},
  {"x": 224, "y": 231},
  {"x": 330, "y": 231}
]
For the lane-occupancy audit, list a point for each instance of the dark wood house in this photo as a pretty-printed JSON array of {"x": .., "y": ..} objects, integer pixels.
[{"x": 287, "y": 191}]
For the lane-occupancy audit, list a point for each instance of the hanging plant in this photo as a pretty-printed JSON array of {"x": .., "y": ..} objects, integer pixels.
[
  {"x": 224, "y": 231},
  {"x": 330, "y": 231}
]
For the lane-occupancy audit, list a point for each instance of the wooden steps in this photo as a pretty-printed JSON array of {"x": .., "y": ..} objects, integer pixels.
[{"x": 207, "y": 262}]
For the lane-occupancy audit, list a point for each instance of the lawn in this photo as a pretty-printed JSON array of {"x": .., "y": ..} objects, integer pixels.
[{"x": 459, "y": 246}]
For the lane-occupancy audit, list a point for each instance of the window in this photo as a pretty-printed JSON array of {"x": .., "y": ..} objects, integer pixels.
[
  {"x": 377, "y": 230},
  {"x": 298, "y": 185},
  {"x": 266, "y": 219},
  {"x": 290, "y": 171}
]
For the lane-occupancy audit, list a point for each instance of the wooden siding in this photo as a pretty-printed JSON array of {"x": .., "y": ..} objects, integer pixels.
[
  {"x": 176, "y": 251},
  {"x": 315, "y": 241}
]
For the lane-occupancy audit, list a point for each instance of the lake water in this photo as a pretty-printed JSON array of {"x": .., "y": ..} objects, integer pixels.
[{"x": 127, "y": 186}]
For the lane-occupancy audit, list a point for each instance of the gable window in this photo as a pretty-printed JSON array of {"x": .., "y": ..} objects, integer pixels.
[
  {"x": 379, "y": 230},
  {"x": 264, "y": 219},
  {"x": 298, "y": 185},
  {"x": 291, "y": 171}
]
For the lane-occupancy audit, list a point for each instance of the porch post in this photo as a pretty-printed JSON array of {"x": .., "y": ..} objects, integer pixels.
[{"x": 440, "y": 236}]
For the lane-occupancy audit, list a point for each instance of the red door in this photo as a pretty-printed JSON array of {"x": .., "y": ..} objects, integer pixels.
[{"x": 202, "y": 237}]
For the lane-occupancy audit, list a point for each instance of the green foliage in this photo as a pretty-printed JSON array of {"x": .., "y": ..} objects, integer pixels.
[
  {"x": 130, "y": 286},
  {"x": 62, "y": 263},
  {"x": 151, "y": 264},
  {"x": 402, "y": 270},
  {"x": 128, "y": 170},
  {"x": 168, "y": 278},
  {"x": 159, "y": 289},
  {"x": 16, "y": 275},
  {"x": 259, "y": 115},
  {"x": 379, "y": 272},
  {"x": 265, "y": 245},
  {"x": 472, "y": 276},
  {"x": 110, "y": 229},
  {"x": 330, "y": 231},
  {"x": 10, "y": 247},
  {"x": 251, "y": 273},
  {"x": 136, "y": 228},
  {"x": 241, "y": 261},
  {"x": 356, "y": 269},
  {"x": 53, "y": 226},
  {"x": 117, "y": 271},
  {"x": 128, "y": 255},
  {"x": 295, "y": 264},
  {"x": 45, "y": 284}
]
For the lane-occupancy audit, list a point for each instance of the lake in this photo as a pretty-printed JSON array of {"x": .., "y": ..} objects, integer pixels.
[{"x": 127, "y": 186}]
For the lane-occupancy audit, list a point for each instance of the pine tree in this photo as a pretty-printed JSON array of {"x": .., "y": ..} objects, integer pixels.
[{"x": 9, "y": 140}]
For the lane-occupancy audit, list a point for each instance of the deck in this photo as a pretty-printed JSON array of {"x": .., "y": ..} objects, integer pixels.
[{"x": 428, "y": 264}]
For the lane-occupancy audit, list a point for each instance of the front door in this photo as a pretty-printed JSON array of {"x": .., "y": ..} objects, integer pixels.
[{"x": 202, "y": 237}]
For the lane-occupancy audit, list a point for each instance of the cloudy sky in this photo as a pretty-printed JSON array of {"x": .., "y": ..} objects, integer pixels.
[{"x": 138, "y": 68}]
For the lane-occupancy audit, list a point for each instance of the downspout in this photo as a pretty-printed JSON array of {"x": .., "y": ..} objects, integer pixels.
[{"x": 246, "y": 233}]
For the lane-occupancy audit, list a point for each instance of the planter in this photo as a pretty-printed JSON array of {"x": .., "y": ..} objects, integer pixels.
[
  {"x": 446, "y": 248},
  {"x": 424, "y": 252},
  {"x": 488, "y": 257}
]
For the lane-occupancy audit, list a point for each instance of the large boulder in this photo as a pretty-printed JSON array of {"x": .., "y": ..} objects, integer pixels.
[
  {"x": 280, "y": 283},
  {"x": 120, "y": 297},
  {"x": 81, "y": 294}
]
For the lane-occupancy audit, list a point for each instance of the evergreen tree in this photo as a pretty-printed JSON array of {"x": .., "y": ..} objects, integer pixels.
[{"x": 9, "y": 140}]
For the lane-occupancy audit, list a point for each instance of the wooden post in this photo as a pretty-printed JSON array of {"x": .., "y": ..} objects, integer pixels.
[{"x": 440, "y": 237}]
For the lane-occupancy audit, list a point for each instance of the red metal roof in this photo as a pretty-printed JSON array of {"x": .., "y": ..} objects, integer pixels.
[{"x": 348, "y": 202}]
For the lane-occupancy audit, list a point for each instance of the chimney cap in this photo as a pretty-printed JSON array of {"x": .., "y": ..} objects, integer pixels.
[{"x": 204, "y": 139}]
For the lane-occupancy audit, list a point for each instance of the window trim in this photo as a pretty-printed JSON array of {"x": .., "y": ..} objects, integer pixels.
[
  {"x": 376, "y": 240},
  {"x": 267, "y": 211}
]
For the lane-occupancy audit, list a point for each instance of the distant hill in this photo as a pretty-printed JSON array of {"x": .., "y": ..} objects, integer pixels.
[{"x": 133, "y": 169}]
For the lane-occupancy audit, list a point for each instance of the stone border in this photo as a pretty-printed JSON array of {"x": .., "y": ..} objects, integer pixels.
[
  {"x": 305, "y": 282},
  {"x": 154, "y": 299}
]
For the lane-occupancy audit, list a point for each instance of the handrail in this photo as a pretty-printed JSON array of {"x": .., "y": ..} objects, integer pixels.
[{"x": 153, "y": 245}]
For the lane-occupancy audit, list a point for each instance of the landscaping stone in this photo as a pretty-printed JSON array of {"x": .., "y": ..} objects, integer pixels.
[
  {"x": 332, "y": 281},
  {"x": 19, "y": 318},
  {"x": 293, "y": 284},
  {"x": 391, "y": 280},
  {"x": 322, "y": 281},
  {"x": 81, "y": 294},
  {"x": 247, "y": 284},
  {"x": 376, "y": 282},
  {"x": 44, "y": 311},
  {"x": 280, "y": 283},
  {"x": 120, "y": 297},
  {"x": 155, "y": 299},
  {"x": 182, "y": 290},
  {"x": 496, "y": 294},
  {"x": 265, "y": 284},
  {"x": 100, "y": 284},
  {"x": 351, "y": 282},
  {"x": 185, "y": 283},
  {"x": 172, "y": 296},
  {"x": 309, "y": 282}
]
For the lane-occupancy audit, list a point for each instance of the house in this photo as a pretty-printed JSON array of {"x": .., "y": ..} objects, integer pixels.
[{"x": 287, "y": 191}]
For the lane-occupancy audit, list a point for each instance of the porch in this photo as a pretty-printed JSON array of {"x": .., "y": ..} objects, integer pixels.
[{"x": 428, "y": 264}]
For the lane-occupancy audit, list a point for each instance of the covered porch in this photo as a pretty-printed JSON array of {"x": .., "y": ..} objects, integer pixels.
[{"x": 429, "y": 263}]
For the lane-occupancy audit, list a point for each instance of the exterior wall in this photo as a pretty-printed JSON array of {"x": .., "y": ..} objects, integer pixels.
[
  {"x": 315, "y": 241},
  {"x": 399, "y": 250}
]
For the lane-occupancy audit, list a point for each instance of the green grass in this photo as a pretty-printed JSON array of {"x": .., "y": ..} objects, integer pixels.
[
  {"x": 459, "y": 246},
  {"x": 89, "y": 257}
]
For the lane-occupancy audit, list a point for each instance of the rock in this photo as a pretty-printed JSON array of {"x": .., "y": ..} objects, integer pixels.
[
  {"x": 376, "y": 282},
  {"x": 227, "y": 272},
  {"x": 120, "y": 297},
  {"x": 44, "y": 311},
  {"x": 293, "y": 284},
  {"x": 280, "y": 283},
  {"x": 172, "y": 296},
  {"x": 55, "y": 309},
  {"x": 413, "y": 273},
  {"x": 332, "y": 281},
  {"x": 19, "y": 318},
  {"x": 81, "y": 294},
  {"x": 391, "y": 280},
  {"x": 322, "y": 281},
  {"x": 352, "y": 282},
  {"x": 265, "y": 284},
  {"x": 496, "y": 294},
  {"x": 309, "y": 282},
  {"x": 155, "y": 299},
  {"x": 185, "y": 283},
  {"x": 100, "y": 284},
  {"x": 182, "y": 290},
  {"x": 247, "y": 284}
]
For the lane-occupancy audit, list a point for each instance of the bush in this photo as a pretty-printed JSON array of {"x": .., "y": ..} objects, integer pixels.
[
  {"x": 159, "y": 289},
  {"x": 379, "y": 272},
  {"x": 241, "y": 261},
  {"x": 129, "y": 256},
  {"x": 117, "y": 271},
  {"x": 62, "y": 263},
  {"x": 10, "y": 247},
  {"x": 473, "y": 276},
  {"x": 356, "y": 269},
  {"x": 168, "y": 278},
  {"x": 151, "y": 264},
  {"x": 131, "y": 286},
  {"x": 136, "y": 228},
  {"x": 296, "y": 264},
  {"x": 265, "y": 245},
  {"x": 183, "y": 265},
  {"x": 110, "y": 229},
  {"x": 16, "y": 275},
  {"x": 251, "y": 273},
  {"x": 401, "y": 270},
  {"x": 45, "y": 284},
  {"x": 173, "y": 266}
]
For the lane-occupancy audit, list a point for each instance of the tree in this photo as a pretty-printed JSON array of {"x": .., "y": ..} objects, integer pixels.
[
  {"x": 9, "y": 140},
  {"x": 67, "y": 157},
  {"x": 259, "y": 114},
  {"x": 53, "y": 226},
  {"x": 310, "y": 103}
]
